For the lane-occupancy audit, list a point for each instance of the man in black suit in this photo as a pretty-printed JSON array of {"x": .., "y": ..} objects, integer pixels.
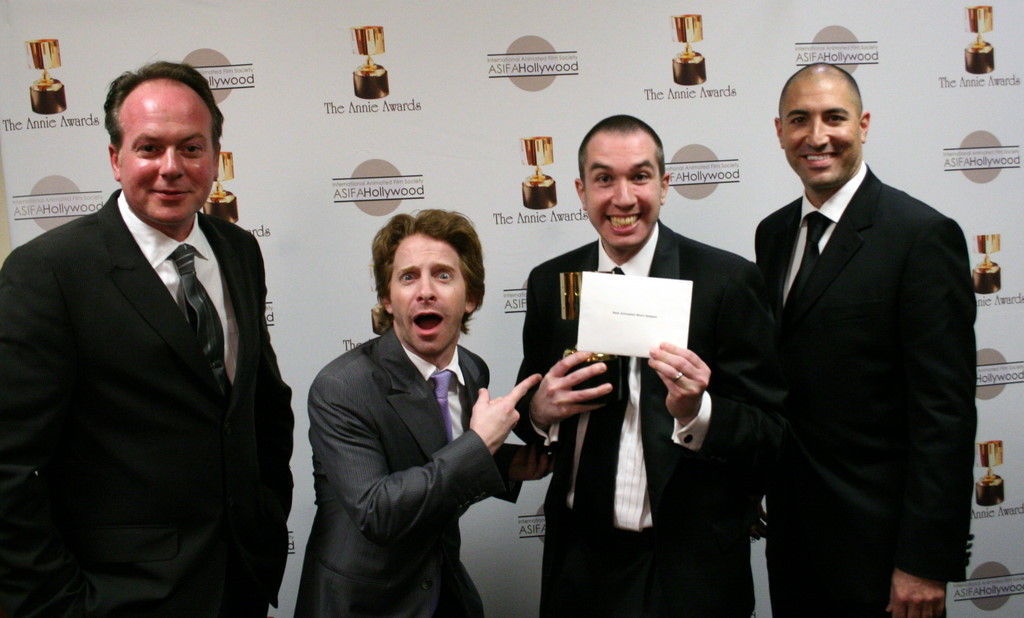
[
  {"x": 144, "y": 462},
  {"x": 688, "y": 452},
  {"x": 406, "y": 437},
  {"x": 870, "y": 511}
]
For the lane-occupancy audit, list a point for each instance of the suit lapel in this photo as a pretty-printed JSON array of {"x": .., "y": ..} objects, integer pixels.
[
  {"x": 567, "y": 429},
  {"x": 660, "y": 454},
  {"x": 780, "y": 248},
  {"x": 410, "y": 396},
  {"x": 845, "y": 241},
  {"x": 471, "y": 373},
  {"x": 240, "y": 290},
  {"x": 144, "y": 290}
]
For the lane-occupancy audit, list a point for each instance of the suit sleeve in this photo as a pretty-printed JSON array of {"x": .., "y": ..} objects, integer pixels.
[
  {"x": 538, "y": 338},
  {"x": 275, "y": 421},
  {"x": 389, "y": 504},
  {"x": 747, "y": 387},
  {"x": 38, "y": 575},
  {"x": 937, "y": 310}
]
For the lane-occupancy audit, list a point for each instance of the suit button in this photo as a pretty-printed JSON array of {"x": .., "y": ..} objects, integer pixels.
[{"x": 427, "y": 584}]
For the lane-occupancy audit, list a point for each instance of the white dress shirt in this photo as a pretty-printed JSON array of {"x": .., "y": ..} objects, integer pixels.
[
  {"x": 632, "y": 507},
  {"x": 833, "y": 209},
  {"x": 157, "y": 248}
]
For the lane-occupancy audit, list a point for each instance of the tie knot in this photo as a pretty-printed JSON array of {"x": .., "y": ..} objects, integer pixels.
[
  {"x": 441, "y": 381},
  {"x": 184, "y": 259},
  {"x": 816, "y": 224},
  {"x": 617, "y": 271}
]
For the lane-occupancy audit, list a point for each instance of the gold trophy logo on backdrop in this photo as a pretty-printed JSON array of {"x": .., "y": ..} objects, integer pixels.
[
  {"x": 989, "y": 490},
  {"x": 370, "y": 80},
  {"x": 47, "y": 93},
  {"x": 979, "y": 57},
  {"x": 571, "y": 283},
  {"x": 222, "y": 203},
  {"x": 987, "y": 275},
  {"x": 688, "y": 68},
  {"x": 538, "y": 189}
]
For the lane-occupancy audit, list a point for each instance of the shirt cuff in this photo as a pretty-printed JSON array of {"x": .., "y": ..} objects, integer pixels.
[
  {"x": 550, "y": 436},
  {"x": 691, "y": 435}
]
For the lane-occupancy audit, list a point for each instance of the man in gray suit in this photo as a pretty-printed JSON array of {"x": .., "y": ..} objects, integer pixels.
[{"x": 406, "y": 437}]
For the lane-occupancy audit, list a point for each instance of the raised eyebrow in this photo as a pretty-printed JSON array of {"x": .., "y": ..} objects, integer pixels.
[{"x": 642, "y": 165}]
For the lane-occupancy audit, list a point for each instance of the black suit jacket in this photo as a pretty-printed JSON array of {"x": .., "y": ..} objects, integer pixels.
[
  {"x": 390, "y": 488},
  {"x": 125, "y": 474},
  {"x": 879, "y": 353},
  {"x": 702, "y": 502}
]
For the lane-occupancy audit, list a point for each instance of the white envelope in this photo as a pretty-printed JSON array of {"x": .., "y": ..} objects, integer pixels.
[{"x": 630, "y": 315}]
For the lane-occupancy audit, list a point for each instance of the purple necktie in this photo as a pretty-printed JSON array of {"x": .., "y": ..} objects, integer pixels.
[{"x": 441, "y": 381}]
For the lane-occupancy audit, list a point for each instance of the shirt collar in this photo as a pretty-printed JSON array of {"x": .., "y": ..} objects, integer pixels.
[
  {"x": 834, "y": 206},
  {"x": 427, "y": 369},
  {"x": 155, "y": 245},
  {"x": 637, "y": 266}
]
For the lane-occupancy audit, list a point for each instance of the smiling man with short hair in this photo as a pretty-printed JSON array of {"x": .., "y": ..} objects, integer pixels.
[
  {"x": 870, "y": 512},
  {"x": 662, "y": 529}
]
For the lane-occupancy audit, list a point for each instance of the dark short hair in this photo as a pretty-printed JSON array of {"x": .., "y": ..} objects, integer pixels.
[
  {"x": 623, "y": 125},
  {"x": 128, "y": 81},
  {"x": 450, "y": 227},
  {"x": 824, "y": 67}
]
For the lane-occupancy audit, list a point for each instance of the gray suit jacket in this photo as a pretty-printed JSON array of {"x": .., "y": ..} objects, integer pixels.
[{"x": 389, "y": 489}]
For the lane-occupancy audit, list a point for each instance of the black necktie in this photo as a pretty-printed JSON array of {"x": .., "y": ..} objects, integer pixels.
[
  {"x": 816, "y": 225},
  {"x": 202, "y": 315},
  {"x": 594, "y": 495}
]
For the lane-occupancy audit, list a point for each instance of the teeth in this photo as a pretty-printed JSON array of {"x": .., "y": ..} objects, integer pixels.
[
  {"x": 623, "y": 221},
  {"x": 823, "y": 157}
]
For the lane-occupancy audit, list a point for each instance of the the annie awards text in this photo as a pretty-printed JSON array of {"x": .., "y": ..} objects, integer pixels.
[
  {"x": 32, "y": 124},
  {"x": 672, "y": 94},
  {"x": 978, "y": 82},
  {"x": 526, "y": 218}
]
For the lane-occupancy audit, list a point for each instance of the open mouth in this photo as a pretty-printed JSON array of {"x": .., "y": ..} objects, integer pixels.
[
  {"x": 427, "y": 321},
  {"x": 619, "y": 221}
]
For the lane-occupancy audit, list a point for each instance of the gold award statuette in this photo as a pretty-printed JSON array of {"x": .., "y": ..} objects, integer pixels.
[
  {"x": 989, "y": 490},
  {"x": 570, "y": 284},
  {"x": 688, "y": 68},
  {"x": 370, "y": 80},
  {"x": 987, "y": 275},
  {"x": 979, "y": 57},
  {"x": 223, "y": 203},
  {"x": 538, "y": 189},
  {"x": 47, "y": 93}
]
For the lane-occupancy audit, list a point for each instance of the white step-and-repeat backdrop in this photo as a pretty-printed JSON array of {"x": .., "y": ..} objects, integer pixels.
[{"x": 319, "y": 159}]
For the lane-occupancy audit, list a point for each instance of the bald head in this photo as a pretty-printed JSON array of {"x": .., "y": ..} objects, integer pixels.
[{"x": 823, "y": 70}]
